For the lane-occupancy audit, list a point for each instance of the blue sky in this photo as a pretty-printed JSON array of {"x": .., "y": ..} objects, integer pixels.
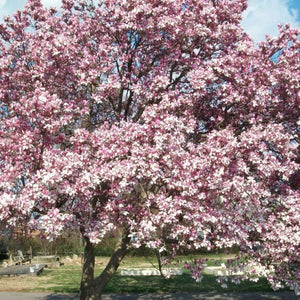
[{"x": 261, "y": 17}]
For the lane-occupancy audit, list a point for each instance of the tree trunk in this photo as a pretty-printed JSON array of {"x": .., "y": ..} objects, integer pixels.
[
  {"x": 92, "y": 289},
  {"x": 158, "y": 256},
  {"x": 87, "y": 279}
]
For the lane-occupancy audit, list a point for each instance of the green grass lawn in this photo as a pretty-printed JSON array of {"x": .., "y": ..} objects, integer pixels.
[{"x": 67, "y": 279}]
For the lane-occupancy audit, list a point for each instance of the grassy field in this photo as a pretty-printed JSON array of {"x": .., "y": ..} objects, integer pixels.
[{"x": 67, "y": 278}]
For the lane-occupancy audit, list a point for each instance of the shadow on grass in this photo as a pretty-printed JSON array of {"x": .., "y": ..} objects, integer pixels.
[
  {"x": 60, "y": 297},
  {"x": 182, "y": 283},
  {"x": 68, "y": 281}
]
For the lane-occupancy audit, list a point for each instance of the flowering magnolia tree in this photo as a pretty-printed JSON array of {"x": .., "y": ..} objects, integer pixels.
[{"x": 159, "y": 121}]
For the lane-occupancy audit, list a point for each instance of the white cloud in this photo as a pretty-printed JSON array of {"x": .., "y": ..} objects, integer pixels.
[
  {"x": 263, "y": 16},
  {"x": 2, "y": 3},
  {"x": 51, "y": 3},
  {"x": 3, "y": 10}
]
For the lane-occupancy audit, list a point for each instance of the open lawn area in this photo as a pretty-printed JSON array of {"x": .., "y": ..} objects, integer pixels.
[{"x": 66, "y": 279}]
